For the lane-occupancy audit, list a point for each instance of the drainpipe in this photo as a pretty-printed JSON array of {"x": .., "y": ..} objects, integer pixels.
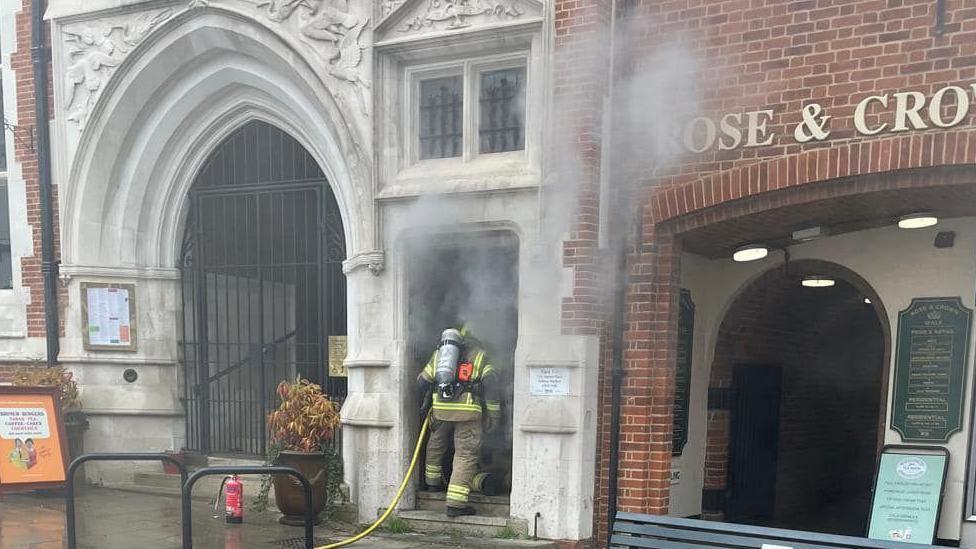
[{"x": 40, "y": 57}]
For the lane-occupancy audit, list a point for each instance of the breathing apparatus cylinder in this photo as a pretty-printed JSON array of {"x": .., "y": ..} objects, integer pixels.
[{"x": 448, "y": 358}]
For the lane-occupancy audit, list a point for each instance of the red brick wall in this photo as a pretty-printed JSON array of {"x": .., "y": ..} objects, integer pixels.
[
  {"x": 580, "y": 77},
  {"x": 757, "y": 55},
  {"x": 25, "y": 154}
]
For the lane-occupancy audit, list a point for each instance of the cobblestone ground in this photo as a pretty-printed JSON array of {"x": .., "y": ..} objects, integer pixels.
[{"x": 110, "y": 519}]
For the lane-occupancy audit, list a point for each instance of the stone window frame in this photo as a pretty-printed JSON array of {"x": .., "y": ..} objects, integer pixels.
[{"x": 470, "y": 70}]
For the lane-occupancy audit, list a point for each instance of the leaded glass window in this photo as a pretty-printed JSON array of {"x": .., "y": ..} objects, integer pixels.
[
  {"x": 441, "y": 119},
  {"x": 502, "y": 124}
]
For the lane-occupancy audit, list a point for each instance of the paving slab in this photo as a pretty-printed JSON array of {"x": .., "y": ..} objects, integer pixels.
[{"x": 113, "y": 519}]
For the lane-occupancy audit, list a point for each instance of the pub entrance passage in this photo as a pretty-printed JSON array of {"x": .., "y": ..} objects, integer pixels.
[
  {"x": 263, "y": 289},
  {"x": 796, "y": 383}
]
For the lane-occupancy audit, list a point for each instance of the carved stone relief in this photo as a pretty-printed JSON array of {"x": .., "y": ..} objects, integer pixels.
[
  {"x": 94, "y": 50},
  {"x": 331, "y": 24},
  {"x": 456, "y": 14},
  {"x": 389, "y": 6}
]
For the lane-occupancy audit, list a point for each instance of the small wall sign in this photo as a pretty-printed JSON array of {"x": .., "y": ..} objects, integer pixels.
[
  {"x": 108, "y": 314},
  {"x": 907, "y": 496},
  {"x": 548, "y": 381},
  {"x": 33, "y": 454},
  {"x": 337, "y": 356}
]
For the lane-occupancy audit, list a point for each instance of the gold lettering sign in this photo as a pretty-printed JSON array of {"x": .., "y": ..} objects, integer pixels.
[{"x": 337, "y": 355}]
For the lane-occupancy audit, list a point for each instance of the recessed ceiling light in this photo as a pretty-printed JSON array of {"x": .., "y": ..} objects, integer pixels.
[
  {"x": 817, "y": 281},
  {"x": 751, "y": 252},
  {"x": 918, "y": 220}
]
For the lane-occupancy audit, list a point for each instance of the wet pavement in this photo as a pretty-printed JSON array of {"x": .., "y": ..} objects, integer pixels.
[{"x": 110, "y": 519}]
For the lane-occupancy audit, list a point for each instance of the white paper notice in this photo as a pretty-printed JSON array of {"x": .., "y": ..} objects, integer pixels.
[
  {"x": 108, "y": 317},
  {"x": 549, "y": 381},
  {"x": 23, "y": 423}
]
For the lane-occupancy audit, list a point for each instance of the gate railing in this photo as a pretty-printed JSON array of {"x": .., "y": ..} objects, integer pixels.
[{"x": 186, "y": 490}]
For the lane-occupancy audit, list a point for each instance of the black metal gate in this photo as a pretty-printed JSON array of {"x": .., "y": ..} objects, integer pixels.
[{"x": 262, "y": 286}]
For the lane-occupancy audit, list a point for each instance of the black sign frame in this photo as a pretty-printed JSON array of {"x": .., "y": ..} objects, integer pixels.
[
  {"x": 683, "y": 368},
  {"x": 956, "y": 395}
]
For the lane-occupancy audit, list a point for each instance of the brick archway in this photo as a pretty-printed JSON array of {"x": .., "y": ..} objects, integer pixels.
[
  {"x": 650, "y": 335},
  {"x": 771, "y": 321},
  {"x": 812, "y": 167}
]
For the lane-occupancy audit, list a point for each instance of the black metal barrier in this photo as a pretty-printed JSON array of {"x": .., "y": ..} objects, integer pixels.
[
  {"x": 245, "y": 470},
  {"x": 186, "y": 489},
  {"x": 69, "y": 494}
]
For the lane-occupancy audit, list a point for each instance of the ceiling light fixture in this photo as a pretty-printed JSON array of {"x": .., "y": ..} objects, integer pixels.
[
  {"x": 817, "y": 281},
  {"x": 918, "y": 220},
  {"x": 752, "y": 252}
]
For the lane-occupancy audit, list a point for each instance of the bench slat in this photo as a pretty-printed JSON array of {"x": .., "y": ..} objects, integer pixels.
[
  {"x": 715, "y": 539},
  {"x": 643, "y": 543},
  {"x": 776, "y": 536}
]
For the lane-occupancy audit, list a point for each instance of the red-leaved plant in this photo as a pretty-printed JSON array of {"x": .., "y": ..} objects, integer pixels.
[{"x": 305, "y": 419}]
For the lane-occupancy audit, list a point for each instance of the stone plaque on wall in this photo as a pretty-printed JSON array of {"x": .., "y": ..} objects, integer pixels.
[
  {"x": 337, "y": 356},
  {"x": 682, "y": 375},
  {"x": 930, "y": 369}
]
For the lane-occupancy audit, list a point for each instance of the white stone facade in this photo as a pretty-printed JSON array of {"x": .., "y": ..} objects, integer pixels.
[{"x": 145, "y": 90}]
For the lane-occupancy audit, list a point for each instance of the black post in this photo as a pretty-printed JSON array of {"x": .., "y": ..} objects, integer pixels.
[
  {"x": 617, "y": 373},
  {"x": 69, "y": 493},
  {"x": 940, "y": 17},
  {"x": 244, "y": 470},
  {"x": 40, "y": 56}
]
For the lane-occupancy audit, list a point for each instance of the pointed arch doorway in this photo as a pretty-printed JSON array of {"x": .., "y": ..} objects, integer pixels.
[{"x": 263, "y": 288}]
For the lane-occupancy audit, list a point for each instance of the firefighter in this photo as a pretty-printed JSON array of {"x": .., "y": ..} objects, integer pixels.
[{"x": 459, "y": 384}]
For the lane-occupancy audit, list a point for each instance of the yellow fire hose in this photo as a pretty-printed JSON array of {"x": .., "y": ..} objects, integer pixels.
[{"x": 396, "y": 498}]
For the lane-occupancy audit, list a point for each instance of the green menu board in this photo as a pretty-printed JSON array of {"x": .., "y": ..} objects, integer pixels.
[
  {"x": 930, "y": 369},
  {"x": 682, "y": 375},
  {"x": 907, "y": 495}
]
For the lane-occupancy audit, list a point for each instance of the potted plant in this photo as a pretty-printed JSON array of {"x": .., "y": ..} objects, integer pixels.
[
  {"x": 75, "y": 420},
  {"x": 300, "y": 433}
]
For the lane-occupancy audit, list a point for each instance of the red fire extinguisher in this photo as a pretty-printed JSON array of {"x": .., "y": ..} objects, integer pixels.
[{"x": 233, "y": 490}]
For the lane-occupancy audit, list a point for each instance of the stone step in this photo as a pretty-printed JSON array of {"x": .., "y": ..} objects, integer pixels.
[
  {"x": 490, "y": 506},
  {"x": 437, "y": 522}
]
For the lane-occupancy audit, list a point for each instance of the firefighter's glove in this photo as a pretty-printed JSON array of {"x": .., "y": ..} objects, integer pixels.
[
  {"x": 492, "y": 422},
  {"x": 426, "y": 404}
]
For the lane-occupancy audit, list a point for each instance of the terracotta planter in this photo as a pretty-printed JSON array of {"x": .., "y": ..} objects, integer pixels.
[
  {"x": 75, "y": 425},
  {"x": 289, "y": 496},
  {"x": 170, "y": 468}
]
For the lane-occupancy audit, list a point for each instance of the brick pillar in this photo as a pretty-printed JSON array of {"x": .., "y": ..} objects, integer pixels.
[
  {"x": 25, "y": 154},
  {"x": 647, "y": 390}
]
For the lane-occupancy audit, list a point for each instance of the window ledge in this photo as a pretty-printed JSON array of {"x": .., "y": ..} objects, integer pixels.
[{"x": 486, "y": 173}]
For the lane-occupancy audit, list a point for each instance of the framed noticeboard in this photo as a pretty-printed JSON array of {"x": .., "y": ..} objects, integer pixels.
[
  {"x": 33, "y": 445},
  {"x": 930, "y": 369},
  {"x": 906, "y": 500},
  {"x": 108, "y": 312}
]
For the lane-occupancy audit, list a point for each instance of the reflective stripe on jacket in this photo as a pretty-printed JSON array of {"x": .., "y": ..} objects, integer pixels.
[{"x": 466, "y": 406}]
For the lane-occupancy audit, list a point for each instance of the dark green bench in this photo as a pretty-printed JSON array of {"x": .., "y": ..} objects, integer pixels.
[{"x": 659, "y": 532}]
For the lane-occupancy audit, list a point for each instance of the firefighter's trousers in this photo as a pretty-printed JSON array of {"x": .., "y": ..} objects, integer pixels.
[{"x": 467, "y": 447}]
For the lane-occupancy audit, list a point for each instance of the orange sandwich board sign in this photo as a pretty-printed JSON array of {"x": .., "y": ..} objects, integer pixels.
[{"x": 33, "y": 451}]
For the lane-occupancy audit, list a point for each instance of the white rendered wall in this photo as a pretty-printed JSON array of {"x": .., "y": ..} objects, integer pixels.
[
  {"x": 14, "y": 344},
  {"x": 898, "y": 264}
]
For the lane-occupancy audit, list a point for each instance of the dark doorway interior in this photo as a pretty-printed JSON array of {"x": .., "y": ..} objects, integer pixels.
[
  {"x": 801, "y": 450},
  {"x": 754, "y": 444},
  {"x": 262, "y": 286},
  {"x": 473, "y": 278}
]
